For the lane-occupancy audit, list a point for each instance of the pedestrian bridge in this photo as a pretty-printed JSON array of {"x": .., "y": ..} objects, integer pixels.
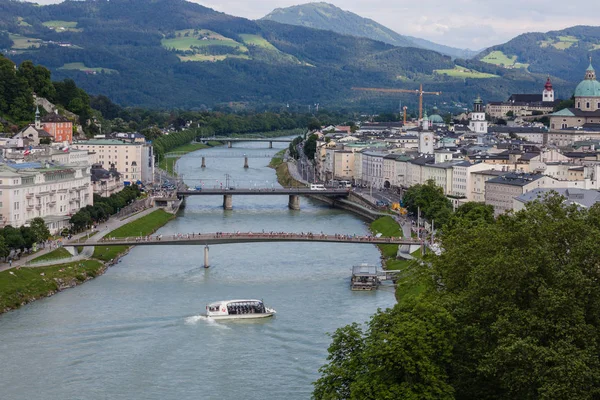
[
  {"x": 206, "y": 239},
  {"x": 245, "y": 237},
  {"x": 293, "y": 193}
]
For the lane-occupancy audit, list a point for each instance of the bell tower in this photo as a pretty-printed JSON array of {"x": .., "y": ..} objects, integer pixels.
[
  {"x": 548, "y": 93},
  {"x": 478, "y": 124}
]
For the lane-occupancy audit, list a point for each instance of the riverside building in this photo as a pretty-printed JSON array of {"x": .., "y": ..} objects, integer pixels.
[
  {"x": 35, "y": 189},
  {"x": 134, "y": 161}
]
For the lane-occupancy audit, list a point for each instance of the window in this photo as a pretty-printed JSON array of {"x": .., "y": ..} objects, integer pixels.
[{"x": 587, "y": 105}]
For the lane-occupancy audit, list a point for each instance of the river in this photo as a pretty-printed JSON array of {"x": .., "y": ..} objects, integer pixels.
[{"x": 137, "y": 331}]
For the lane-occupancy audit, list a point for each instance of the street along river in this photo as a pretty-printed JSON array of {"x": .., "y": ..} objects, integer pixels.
[{"x": 137, "y": 331}]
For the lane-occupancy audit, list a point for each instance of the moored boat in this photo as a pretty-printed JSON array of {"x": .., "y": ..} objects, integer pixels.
[{"x": 238, "y": 309}]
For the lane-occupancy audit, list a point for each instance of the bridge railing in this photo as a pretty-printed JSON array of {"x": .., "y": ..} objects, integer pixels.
[{"x": 266, "y": 235}]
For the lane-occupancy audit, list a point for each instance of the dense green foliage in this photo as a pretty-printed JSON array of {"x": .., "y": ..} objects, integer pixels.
[
  {"x": 301, "y": 67},
  {"x": 103, "y": 208},
  {"x": 310, "y": 147},
  {"x": 24, "y": 237},
  {"x": 510, "y": 311},
  {"x": 431, "y": 201},
  {"x": 17, "y": 86}
]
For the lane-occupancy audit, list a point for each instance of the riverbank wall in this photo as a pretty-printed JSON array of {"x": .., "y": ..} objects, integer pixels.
[{"x": 354, "y": 204}]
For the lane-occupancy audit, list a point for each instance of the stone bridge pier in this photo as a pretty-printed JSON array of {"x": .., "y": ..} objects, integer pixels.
[
  {"x": 229, "y": 145},
  {"x": 294, "y": 202},
  {"x": 227, "y": 202}
]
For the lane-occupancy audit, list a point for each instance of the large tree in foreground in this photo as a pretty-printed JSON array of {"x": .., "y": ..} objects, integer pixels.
[{"x": 511, "y": 311}]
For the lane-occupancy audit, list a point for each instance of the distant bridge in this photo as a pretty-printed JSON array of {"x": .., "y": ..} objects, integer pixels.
[
  {"x": 232, "y": 154},
  {"x": 230, "y": 140},
  {"x": 265, "y": 192},
  {"x": 293, "y": 193}
]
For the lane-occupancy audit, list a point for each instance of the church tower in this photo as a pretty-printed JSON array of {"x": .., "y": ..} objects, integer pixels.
[
  {"x": 426, "y": 138},
  {"x": 548, "y": 93},
  {"x": 38, "y": 124},
  {"x": 478, "y": 124}
]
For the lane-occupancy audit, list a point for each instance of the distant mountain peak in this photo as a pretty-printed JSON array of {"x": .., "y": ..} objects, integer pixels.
[{"x": 322, "y": 15}]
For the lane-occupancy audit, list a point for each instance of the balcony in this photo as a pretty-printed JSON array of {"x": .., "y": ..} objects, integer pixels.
[
  {"x": 38, "y": 206},
  {"x": 29, "y": 195}
]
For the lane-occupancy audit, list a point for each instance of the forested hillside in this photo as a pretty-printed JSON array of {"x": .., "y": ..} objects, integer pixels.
[
  {"x": 563, "y": 53},
  {"x": 329, "y": 17},
  {"x": 17, "y": 86},
  {"x": 173, "y": 53}
]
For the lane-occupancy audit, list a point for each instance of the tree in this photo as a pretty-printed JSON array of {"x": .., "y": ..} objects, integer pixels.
[
  {"x": 4, "y": 250},
  {"x": 314, "y": 124},
  {"x": 510, "y": 114},
  {"x": 310, "y": 147},
  {"x": 41, "y": 233},
  {"x": 403, "y": 355},
  {"x": 430, "y": 199},
  {"x": 524, "y": 293}
]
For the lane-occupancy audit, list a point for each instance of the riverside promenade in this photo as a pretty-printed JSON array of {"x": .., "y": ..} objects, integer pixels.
[{"x": 103, "y": 230}]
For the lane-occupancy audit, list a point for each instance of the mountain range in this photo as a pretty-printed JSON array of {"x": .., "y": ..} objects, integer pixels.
[
  {"x": 178, "y": 54},
  {"x": 329, "y": 17}
]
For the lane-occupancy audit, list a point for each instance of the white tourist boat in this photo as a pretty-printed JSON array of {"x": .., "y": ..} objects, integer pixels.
[{"x": 238, "y": 309}]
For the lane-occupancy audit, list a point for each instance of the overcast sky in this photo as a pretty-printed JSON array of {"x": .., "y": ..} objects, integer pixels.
[{"x": 473, "y": 24}]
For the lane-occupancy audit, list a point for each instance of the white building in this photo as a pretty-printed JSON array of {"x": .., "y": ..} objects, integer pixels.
[
  {"x": 462, "y": 179},
  {"x": 478, "y": 124},
  {"x": 54, "y": 193},
  {"x": 344, "y": 165},
  {"x": 372, "y": 168},
  {"x": 134, "y": 161}
]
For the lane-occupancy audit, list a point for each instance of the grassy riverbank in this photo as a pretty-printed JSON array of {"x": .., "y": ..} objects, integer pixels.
[
  {"x": 284, "y": 177},
  {"x": 168, "y": 164},
  {"x": 146, "y": 225},
  {"x": 24, "y": 285},
  {"x": 407, "y": 283},
  {"x": 56, "y": 254}
]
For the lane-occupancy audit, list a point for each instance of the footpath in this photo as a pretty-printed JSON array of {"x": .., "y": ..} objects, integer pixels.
[{"x": 103, "y": 230}]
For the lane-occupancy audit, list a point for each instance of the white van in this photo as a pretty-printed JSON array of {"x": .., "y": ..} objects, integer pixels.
[
  {"x": 314, "y": 186},
  {"x": 345, "y": 184}
]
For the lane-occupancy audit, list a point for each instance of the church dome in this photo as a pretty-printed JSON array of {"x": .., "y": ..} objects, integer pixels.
[
  {"x": 589, "y": 87},
  {"x": 436, "y": 119}
]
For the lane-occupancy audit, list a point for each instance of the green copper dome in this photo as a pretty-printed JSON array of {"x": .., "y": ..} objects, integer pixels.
[
  {"x": 589, "y": 87},
  {"x": 436, "y": 119}
]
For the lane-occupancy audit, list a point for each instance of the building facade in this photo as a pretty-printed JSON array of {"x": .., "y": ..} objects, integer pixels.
[
  {"x": 54, "y": 193},
  {"x": 134, "y": 161},
  {"x": 59, "y": 127}
]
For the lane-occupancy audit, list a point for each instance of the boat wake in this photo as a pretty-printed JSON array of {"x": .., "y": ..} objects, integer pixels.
[{"x": 195, "y": 319}]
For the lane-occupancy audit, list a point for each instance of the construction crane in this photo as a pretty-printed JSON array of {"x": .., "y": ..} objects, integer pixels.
[
  {"x": 404, "y": 109},
  {"x": 419, "y": 92}
]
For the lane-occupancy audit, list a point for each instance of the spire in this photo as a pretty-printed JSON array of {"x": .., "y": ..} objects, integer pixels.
[
  {"x": 590, "y": 73},
  {"x": 38, "y": 124},
  {"x": 548, "y": 85}
]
